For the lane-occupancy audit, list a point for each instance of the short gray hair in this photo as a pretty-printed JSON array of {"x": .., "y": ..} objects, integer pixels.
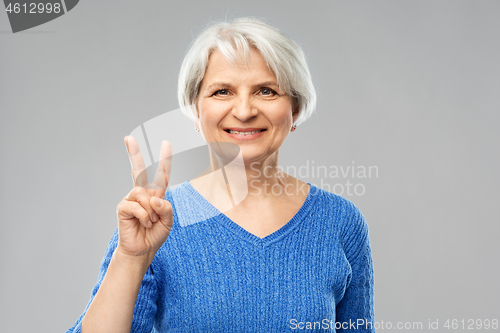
[{"x": 283, "y": 56}]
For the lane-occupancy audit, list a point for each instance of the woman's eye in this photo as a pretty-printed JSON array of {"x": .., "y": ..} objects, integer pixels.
[
  {"x": 222, "y": 92},
  {"x": 267, "y": 92}
]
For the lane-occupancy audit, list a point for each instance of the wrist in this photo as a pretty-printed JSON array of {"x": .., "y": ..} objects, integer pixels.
[{"x": 131, "y": 262}]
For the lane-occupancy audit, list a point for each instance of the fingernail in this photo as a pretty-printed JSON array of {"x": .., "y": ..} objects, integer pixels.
[
  {"x": 154, "y": 217},
  {"x": 158, "y": 202},
  {"x": 150, "y": 224}
]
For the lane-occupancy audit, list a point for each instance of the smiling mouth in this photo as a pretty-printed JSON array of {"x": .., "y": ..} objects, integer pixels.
[{"x": 243, "y": 132}]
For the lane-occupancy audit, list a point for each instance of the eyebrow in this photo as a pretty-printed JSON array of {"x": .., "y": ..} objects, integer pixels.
[{"x": 227, "y": 85}]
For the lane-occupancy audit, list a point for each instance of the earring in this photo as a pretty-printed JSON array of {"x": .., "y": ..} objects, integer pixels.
[
  {"x": 197, "y": 129},
  {"x": 294, "y": 127}
]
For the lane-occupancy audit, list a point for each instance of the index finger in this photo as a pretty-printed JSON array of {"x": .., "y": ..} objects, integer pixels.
[{"x": 139, "y": 173}]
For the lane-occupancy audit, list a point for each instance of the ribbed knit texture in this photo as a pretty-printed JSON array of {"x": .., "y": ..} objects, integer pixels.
[{"x": 214, "y": 276}]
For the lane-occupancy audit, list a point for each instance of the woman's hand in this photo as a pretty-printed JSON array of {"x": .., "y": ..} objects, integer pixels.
[
  {"x": 144, "y": 222},
  {"x": 144, "y": 218}
]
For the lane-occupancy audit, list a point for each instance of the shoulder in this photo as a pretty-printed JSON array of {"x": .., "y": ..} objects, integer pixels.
[
  {"x": 331, "y": 203},
  {"x": 178, "y": 191},
  {"x": 183, "y": 196},
  {"x": 344, "y": 215},
  {"x": 189, "y": 206}
]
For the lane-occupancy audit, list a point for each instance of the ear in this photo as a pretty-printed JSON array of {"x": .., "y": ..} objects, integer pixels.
[
  {"x": 197, "y": 127},
  {"x": 295, "y": 109},
  {"x": 197, "y": 121},
  {"x": 295, "y": 115}
]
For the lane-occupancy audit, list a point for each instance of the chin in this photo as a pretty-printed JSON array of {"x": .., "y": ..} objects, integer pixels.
[{"x": 251, "y": 155}]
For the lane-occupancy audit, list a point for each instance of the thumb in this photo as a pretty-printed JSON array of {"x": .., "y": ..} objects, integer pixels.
[{"x": 163, "y": 208}]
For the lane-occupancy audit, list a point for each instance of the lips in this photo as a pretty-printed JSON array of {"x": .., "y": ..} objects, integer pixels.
[{"x": 244, "y": 131}]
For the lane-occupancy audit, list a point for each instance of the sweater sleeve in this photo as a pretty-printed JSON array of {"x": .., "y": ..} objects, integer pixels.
[
  {"x": 355, "y": 312},
  {"x": 145, "y": 306}
]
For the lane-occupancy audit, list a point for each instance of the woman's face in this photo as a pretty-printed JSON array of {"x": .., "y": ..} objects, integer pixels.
[{"x": 244, "y": 106}]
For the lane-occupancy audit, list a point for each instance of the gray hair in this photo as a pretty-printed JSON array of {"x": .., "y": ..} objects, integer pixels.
[{"x": 283, "y": 56}]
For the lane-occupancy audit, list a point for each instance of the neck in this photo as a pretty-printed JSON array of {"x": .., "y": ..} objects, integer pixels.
[{"x": 230, "y": 180}]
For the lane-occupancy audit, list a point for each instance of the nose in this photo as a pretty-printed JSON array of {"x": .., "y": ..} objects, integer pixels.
[{"x": 244, "y": 110}]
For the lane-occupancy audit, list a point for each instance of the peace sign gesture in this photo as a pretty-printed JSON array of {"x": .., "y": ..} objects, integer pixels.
[{"x": 144, "y": 218}]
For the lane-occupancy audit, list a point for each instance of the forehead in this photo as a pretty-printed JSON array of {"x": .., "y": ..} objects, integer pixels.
[{"x": 219, "y": 67}]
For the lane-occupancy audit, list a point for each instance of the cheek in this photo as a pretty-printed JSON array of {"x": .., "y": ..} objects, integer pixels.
[
  {"x": 210, "y": 113},
  {"x": 282, "y": 115},
  {"x": 205, "y": 112}
]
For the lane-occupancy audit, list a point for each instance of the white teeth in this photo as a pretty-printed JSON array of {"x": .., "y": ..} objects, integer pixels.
[{"x": 244, "y": 133}]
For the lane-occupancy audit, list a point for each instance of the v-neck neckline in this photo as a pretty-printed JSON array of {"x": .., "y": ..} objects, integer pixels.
[{"x": 247, "y": 235}]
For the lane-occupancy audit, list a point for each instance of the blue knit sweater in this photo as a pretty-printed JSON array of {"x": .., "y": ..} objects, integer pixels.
[{"x": 314, "y": 274}]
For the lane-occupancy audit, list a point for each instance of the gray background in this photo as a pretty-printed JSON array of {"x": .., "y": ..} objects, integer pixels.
[{"x": 411, "y": 87}]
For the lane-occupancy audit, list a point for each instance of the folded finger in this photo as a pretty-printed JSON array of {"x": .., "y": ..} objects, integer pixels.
[
  {"x": 141, "y": 196},
  {"x": 133, "y": 209}
]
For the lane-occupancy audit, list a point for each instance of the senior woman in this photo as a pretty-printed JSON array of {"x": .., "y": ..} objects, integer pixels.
[{"x": 265, "y": 252}]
